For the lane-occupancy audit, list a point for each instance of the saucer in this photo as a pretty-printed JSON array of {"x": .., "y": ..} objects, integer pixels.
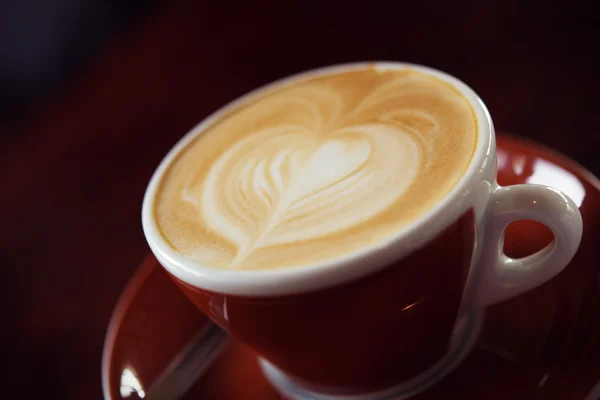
[{"x": 544, "y": 344}]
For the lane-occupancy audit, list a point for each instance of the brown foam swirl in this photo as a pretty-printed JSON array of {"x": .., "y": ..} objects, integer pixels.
[{"x": 316, "y": 169}]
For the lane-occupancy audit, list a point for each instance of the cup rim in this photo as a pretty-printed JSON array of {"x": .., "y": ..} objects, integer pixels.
[{"x": 363, "y": 262}]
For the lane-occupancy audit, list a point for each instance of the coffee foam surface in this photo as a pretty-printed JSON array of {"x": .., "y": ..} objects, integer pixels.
[{"x": 316, "y": 169}]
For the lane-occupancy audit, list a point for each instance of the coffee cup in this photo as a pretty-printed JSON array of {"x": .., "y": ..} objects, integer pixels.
[{"x": 346, "y": 224}]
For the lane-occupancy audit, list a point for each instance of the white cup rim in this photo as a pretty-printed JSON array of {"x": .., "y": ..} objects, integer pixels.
[{"x": 287, "y": 281}]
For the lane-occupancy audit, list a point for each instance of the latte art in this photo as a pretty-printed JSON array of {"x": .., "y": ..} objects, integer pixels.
[
  {"x": 283, "y": 187},
  {"x": 316, "y": 169}
]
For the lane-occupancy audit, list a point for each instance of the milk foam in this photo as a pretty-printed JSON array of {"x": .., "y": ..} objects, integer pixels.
[
  {"x": 306, "y": 188},
  {"x": 316, "y": 167}
]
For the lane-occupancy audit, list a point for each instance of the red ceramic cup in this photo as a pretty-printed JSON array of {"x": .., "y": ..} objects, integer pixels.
[{"x": 384, "y": 315}]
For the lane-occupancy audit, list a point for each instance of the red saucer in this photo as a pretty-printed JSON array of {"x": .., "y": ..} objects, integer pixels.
[{"x": 544, "y": 344}]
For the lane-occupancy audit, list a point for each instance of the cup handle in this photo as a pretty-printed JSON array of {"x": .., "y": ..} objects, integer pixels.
[{"x": 502, "y": 277}]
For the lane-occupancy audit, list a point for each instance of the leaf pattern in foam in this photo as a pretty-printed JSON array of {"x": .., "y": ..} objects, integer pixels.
[{"x": 273, "y": 189}]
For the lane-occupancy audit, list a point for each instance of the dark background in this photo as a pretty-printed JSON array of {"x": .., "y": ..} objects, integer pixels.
[{"x": 93, "y": 94}]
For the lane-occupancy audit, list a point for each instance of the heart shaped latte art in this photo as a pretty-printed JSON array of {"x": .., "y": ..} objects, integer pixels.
[{"x": 283, "y": 185}]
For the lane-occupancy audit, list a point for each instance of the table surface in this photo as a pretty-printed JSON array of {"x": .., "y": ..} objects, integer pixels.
[{"x": 73, "y": 171}]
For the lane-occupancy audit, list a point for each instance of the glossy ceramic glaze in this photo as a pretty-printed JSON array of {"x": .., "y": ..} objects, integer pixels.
[
  {"x": 362, "y": 336},
  {"x": 382, "y": 312},
  {"x": 543, "y": 344}
]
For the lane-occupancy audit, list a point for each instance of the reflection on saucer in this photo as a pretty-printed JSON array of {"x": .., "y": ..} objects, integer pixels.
[
  {"x": 130, "y": 384},
  {"x": 542, "y": 172}
]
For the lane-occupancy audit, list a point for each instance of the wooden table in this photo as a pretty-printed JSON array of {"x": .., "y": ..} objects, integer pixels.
[{"x": 74, "y": 171}]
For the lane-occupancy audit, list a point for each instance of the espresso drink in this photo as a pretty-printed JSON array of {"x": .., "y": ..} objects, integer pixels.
[{"x": 316, "y": 169}]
